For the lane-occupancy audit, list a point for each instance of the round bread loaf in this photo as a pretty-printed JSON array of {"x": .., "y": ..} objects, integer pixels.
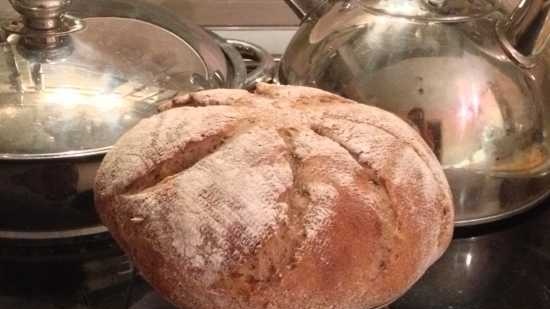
[{"x": 285, "y": 198}]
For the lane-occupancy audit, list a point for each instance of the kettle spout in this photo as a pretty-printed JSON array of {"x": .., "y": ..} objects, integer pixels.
[
  {"x": 302, "y": 8},
  {"x": 529, "y": 27}
]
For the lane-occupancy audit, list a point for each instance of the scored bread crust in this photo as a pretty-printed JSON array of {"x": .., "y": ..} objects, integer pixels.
[{"x": 285, "y": 198}]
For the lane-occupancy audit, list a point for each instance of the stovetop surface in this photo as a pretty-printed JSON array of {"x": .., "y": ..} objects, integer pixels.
[{"x": 499, "y": 266}]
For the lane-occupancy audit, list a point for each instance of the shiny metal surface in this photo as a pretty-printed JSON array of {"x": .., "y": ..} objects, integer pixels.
[
  {"x": 193, "y": 35},
  {"x": 43, "y": 24},
  {"x": 41, "y": 14},
  {"x": 212, "y": 51},
  {"x": 45, "y": 199},
  {"x": 116, "y": 72},
  {"x": 525, "y": 34},
  {"x": 65, "y": 102},
  {"x": 263, "y": 63},
  {"x": 444, "y": 10},
  {"x": 441, "y": 66},
  {"x": 302, "y": 8},
  {"x": 521, "y": 24}
]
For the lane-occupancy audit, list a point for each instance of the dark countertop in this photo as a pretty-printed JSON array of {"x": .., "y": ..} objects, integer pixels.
[{"x": 497, "y": 266}]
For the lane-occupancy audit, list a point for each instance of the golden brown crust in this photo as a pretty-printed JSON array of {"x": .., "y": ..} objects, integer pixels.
[{"x": 289, "y": 197}]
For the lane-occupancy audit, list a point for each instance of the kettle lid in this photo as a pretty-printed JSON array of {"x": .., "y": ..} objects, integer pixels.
[{"x": 444, "y": 10}]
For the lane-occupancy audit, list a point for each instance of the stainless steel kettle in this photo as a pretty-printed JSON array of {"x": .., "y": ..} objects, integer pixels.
[{"x": 471, "y": 78}]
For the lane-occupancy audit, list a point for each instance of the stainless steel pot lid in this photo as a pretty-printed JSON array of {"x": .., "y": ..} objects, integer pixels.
[
  {"x": 432, "y": 9},
  {"x": 71, "y": 88}
]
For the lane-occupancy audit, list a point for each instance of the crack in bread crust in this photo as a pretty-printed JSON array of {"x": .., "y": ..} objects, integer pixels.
[
  {"x": 404, "y": 141},
  {"x": 388, "y": 220},
  {"x": 187, "y": 156},
  {"x": 445, "y": 214},
  {"x": 263, "y": 267},
  {"x": 371, "y": 173}
]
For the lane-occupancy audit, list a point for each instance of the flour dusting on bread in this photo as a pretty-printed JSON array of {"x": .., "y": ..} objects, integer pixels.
[{"x": 284, "y": 198}]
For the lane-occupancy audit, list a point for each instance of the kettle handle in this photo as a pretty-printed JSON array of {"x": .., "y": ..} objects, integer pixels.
[
  {"x": 259, "y": 62},
  {"x": 527, "y": 32},
  {"x": 304, "y": 8}
]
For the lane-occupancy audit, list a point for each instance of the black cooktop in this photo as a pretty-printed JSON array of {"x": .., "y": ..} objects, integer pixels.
[{"x": 497, "y": 266}]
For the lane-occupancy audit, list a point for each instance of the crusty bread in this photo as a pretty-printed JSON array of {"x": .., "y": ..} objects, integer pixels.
[{"x": 286, "y": 198}]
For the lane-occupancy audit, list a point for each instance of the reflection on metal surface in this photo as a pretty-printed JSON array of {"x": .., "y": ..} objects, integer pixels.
[
  {"x": 116, "y": 73},
  {"x": 83, "y": 102},
  {"x": 468, "y": 260},
  {"x": 440, "y": 66},
  {"x": 43, "y": 24},
  {"x": 75, "y": 99},
  {"x": 432, "y": 9},
  {"x": 303, "y": 8},
  {"x": 67, "y": 96},
  {"x": 263, "y": 66},
  {"x": 529, "y": 27}
]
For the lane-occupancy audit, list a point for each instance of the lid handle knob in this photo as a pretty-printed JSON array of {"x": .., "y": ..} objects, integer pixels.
[
  {"x": 42, "y": 14},
  {"x": 44, "y": 23}
]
